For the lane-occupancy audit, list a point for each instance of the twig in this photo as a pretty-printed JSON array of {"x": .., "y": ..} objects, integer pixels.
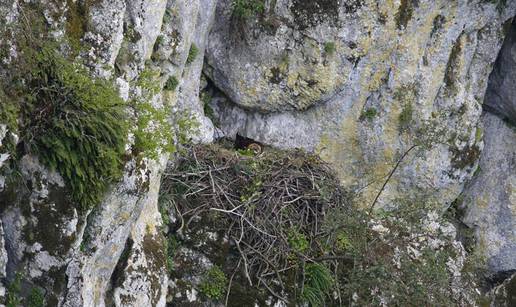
[{"x": 390, "y": 176}]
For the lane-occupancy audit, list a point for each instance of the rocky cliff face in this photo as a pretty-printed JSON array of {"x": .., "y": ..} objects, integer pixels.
[
  {"x": 68, "y": 254},
  {"x": 390, "y": 93},
  {"x": 361, "y": 84}
]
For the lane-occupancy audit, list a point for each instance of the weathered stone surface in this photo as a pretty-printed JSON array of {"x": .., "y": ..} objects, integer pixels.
[
  {"x": 144, "y": 279},
  {"x": 71, "y": 255},
  {"x": 189, "y": 101},
  {"x": 501, "y": 90},
  {"x": 403, "y": 74},
  {"x": 490, "y": 199},
  {"x": 3, "y": 262},
  {"x": 504, "y": 295}
]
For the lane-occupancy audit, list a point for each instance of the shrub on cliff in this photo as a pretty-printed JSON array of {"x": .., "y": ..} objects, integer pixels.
[{"x": 75, "y": 124}]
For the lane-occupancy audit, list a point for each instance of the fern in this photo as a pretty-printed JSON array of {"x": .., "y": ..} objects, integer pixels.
[
  {"x": 318, "y": 284},
  {"x": 75, "y": 124}
]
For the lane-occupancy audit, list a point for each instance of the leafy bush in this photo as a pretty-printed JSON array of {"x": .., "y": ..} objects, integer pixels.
[
  {"x": 213, "y": 284},
  {"x": 192, "y": 54},
  {"x": 36, "y": 298},
  {"x": 76, "y": 125},
  {"x": 318, "y": 284},
  {"x": 369, "y": 114},
  {"x": 171, "y": 84},
  {"x": 330, "y": 48},
  {"x": 247, "y": 8}
]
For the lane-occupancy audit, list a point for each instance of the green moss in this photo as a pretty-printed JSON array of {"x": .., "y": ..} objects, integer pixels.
[
  {"x": 404, "y": 13},
  {"x": 478, "y": 134},
  {"x": 298, "y": 241},
  {"x": 9, "y": 114},
  {"x": 159, "y": 42},
  {"x": 149, "y": 82},
  {"x": 77, "y": 22},
  {"x": 36, "y": 298},
  {"x": 171, "y": 84},
  {"x": 213, "y": 284},
  {"x": 452, "y": 67},
  {"x": 13, "y": 292},
  {"x": 405, "y": 118},
  {"x": 153, "y": 133},
  {"x": 369, "y": 114},
  {"x": 167, "y": 17},
  {"x": 192, "y": 54},
  {"x": 330, "y": 48},
  {"x": 247, "y": 8}
]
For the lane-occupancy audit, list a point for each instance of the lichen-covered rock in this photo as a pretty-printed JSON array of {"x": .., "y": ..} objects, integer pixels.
[
  {"x": 363, "y": 85},
  {"x": 490, "y": 200},
  {"x": 189, "y": 100},
  {"x": 504, "y": 295},
  {"x": 142, "y": 278},
  {"x": 3, "y": 262},
  {"x": 70, "y": 254}
]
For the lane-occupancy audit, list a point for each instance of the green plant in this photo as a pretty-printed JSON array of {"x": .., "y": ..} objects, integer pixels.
[
  {"x": 167, "y": 17},
  {"x": 297, "y": 241},
  {"x": 36, "y": 298},
  {"x": 9, "y": 113},
  {"x": 159, "y": 42},
  {"x": 405, "y": 117},
  {"x": 171, "y": 84},
  {"x": 247, "y": 8},
  {"x": 343, "y": 243},
  {"x": 13, "y": 292},
  {"x": 318, "y": 284},
  {"x": 148, "y": 82},
  {"x": 213, "y": 284},
  {"x": 172, "y": 245},
  {"x": 153, "y": 132},
  {"x": 369, "y": 114},
  {"x": 330, "y": 48},
  {"x": 192, "y": 54},
  {"x": 75, "y": 124}
]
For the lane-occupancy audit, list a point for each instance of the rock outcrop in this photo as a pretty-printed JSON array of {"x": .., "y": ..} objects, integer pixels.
[
  {"x": 361, "y": 83},
  {"x": 490, "y": 200},
  {"x": 390, "y": 93},
  {"x": 68, "y": 254}
]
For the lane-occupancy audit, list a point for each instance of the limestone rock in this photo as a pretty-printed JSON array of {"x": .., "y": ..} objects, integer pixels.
[
  {"x": 361, "y": 84},
  {"x": 490, "y": 200},
  {"x": 72, "y": 255}
]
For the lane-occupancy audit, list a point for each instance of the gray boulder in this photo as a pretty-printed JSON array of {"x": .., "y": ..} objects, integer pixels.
[{"x": 490, "y": 200}]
